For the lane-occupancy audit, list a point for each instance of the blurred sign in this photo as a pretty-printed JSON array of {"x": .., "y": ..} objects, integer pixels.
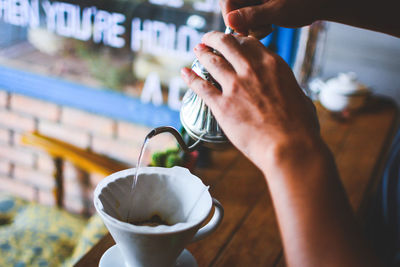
[
  {"x": 147, "y": 30},
  {"x": 160, "y": 35},
  {"x": 136, "y": 47}
]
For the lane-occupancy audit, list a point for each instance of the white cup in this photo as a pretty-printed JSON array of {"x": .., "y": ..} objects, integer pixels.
[{"x": 176, "y": 195}]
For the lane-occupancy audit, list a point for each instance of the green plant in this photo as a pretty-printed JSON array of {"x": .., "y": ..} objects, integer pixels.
[{"x": 168, "y": 158}]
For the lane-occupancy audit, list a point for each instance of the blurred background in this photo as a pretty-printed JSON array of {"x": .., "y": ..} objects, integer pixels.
[
  {"x": 374, "y": 57},
  {"x": 83, "y": 82},
  {"x": 99, "y": 75}
]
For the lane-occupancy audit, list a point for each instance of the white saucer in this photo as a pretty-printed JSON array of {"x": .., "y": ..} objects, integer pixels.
[{"x": 112, "y": 258}]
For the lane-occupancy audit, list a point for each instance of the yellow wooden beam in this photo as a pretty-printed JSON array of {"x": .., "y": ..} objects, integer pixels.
[{"x": 84, "y": 159}]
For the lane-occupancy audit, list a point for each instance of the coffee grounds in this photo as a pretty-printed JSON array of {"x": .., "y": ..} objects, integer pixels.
[{"x": 153, "y": 221}]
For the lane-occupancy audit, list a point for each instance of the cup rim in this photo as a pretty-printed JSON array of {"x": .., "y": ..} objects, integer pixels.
[{"x": 145, "y": 230}]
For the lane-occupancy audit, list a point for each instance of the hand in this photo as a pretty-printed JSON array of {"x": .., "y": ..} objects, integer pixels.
[
  {"x": 261, "y": 108},
  {"x": 265, "y": 114},
  {"x": 254, "y": 17}
]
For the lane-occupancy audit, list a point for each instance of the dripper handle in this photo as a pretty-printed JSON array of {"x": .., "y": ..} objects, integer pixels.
[
  {"x": 177, "y": 136},
  {"x": 213, "y": 224}
]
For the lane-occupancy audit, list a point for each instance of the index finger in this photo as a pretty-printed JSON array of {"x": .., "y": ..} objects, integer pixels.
[{"x": 230, "y": 47}]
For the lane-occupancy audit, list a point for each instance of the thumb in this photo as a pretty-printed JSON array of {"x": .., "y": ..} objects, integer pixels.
[{"x": 251, "y": 18}]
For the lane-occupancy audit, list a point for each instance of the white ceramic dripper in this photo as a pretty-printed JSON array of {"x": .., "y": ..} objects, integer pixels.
[{"x": 176, "y": 195}]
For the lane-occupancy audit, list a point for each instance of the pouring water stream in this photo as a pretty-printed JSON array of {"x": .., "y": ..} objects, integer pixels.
[{"x": 150, "y": 135}]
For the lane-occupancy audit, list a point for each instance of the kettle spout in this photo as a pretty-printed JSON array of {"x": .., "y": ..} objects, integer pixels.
[{"x": 177, "y": 136}]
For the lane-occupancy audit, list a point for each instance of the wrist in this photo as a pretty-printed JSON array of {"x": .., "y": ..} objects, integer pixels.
[{"x": 295, "y": 155}]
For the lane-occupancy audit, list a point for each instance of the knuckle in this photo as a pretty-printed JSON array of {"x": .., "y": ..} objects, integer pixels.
[
  {"x": 247, "y": 69},
  {"x": 215, "y": 60},
  {"x": 204, "y": 88},
  {"x": 271, "y": 61},
  {"x": 234, "y": 85},
  {"x": 199, "y": 86},
  {"x": 225, "y": 104},
  {"x": 203, "y": 85},
  {"x": 225, "y": 38}
]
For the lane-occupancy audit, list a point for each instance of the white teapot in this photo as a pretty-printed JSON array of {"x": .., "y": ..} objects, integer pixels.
[{"x": 342, "y": 93}]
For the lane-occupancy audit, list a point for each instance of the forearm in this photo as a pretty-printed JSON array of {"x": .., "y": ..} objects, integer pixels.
[
  {"x": 314, "y": 215},
  {"x": 379, "y": 16}
]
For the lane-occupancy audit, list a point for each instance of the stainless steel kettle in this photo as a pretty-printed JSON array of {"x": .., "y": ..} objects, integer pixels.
[
  {"x": 195, "y": 115},
  {"x": 196, "y": 118}
]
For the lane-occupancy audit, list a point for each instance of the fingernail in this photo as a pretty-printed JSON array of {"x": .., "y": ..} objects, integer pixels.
[{"x": 200, "y": 46}]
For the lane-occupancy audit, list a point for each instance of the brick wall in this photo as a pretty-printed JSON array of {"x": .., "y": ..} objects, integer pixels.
[{"x": 27, "y": 172}]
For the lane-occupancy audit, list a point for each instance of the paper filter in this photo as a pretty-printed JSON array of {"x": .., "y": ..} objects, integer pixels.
[{"x": 174, "y": 194}]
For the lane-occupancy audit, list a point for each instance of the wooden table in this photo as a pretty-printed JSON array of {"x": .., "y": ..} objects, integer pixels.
[{"x": 248, "y": 235}]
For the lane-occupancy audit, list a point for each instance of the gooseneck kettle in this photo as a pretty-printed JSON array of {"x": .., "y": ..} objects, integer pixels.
[{"x": 196, "y": 117}]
